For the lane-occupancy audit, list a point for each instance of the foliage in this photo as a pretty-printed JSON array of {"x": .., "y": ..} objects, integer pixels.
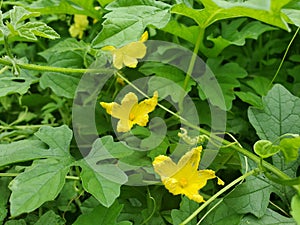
[{"x": 224, "y": 76}]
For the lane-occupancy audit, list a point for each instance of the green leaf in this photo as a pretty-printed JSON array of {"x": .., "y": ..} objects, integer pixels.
[
  {"x": 269, "y": 218},
  {"x": 180, "y": 30},
  {"x": 250, "y": 98},
  {"x": 63, "y": 84},
  {"x": 292, "y": 10},
  {"x": 10, "y": 84},
  {"x": 4, "y": 197},
  {"x": 20, "y": 151},
  {"x": 16, "y": 222},
  {"x": 264, "y": 11},
  {"x": 295, "y": 205},
  {"x": 265, "y": 148},
  {"x": 167, "y": 79},
  {"x": 290, "y": 148},
  {"x": 102, "y": 216},
  {"x": 222, "y": 215},
  {"x": 58, "y": 139},
  {"x": 50, "y": 218},
  {"x": 19, "y": 14},
  {"x": 39, "y": 183},
  {"x": 227, "y": 76},
  {"x": 99, "y": 177},
  {"x": 66, "y": 7},
  {"x": 32, "y": 29},
  {"x": 250, "y": 197},
  {"x": 128, "y": 19},
  {"x": 187, "y": 207},
  {"x": 28, "y": 30},
  {"x": 280, "y": 114},
  {"x": 67, "y": 45}
]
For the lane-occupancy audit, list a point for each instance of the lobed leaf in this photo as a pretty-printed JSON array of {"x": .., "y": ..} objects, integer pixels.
[
  {"x": 39, "y": 183},
  {"x": 280, "y": 114},
  {"x": 128, "y": 19},
  {"x": 10, "y": 84}
]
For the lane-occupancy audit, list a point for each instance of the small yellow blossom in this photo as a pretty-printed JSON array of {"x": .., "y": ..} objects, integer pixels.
[
  {"x": 80, "y": 24},
  {"x": 184, "y": 177},
  {"x": 128, "y": 54},
  {"x": 131, "y": 112}
]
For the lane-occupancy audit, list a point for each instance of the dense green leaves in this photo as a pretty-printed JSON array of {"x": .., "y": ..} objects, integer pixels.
[
  {"x": 227, "y": 76},
  {"x": 102, "y": 216},
  {"x": 226, "y": 54},
  {"x": 186, "y": 206}
]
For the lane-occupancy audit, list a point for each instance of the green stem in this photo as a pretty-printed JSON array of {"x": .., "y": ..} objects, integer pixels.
[
  {"x": 16, "y": 174},
  {"x": 52, "y": 69},
  {"x": 223, "y": 190},
  {"x": 193, "y": 59},
  {"x": 284, "y": 56}
]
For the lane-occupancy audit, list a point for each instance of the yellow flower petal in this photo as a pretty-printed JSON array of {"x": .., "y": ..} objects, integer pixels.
[
  {"x": 128, "y": 54},
  {"x": 184, "y": 177},
  {"x": 130, "y": 112},
  {"x": 144, "y": 36}
]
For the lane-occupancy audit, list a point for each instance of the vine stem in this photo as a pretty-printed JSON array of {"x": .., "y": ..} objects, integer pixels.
[
  {"x": 284, "y": 56},
  {"x": 16, "y": 174},
  {"x": 52, "y": 69},
  {"x": 193, "y": 59},
  {"x": 211, "y": 199}
]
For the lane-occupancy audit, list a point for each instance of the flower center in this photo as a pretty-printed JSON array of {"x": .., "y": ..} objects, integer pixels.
[
  {"x": 183, "y": 182},
  {"x": 131, "y": 116}
]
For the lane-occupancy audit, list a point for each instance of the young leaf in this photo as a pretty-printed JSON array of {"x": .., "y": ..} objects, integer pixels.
[
  {"x": 280, "y": 114},
  {"x": 265, "y": 148},
  {"x": 128, "y": 19},
  {"x": 102, "y": 216},
  {"x": 32, "y": 29},
  {"x": 186, "y": 208},
  {"x": 39, "y": 183},
  {"x": 295, "y": 205},
  {"x": 290, "y": 148}
]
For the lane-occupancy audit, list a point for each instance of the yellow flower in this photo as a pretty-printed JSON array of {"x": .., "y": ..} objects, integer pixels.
[
  {"x": 131, "y": 112},
  {"x": 184, "y": 177},
  {"x": 80, "y": 24},
  {"x": 128, "y": 54}
]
